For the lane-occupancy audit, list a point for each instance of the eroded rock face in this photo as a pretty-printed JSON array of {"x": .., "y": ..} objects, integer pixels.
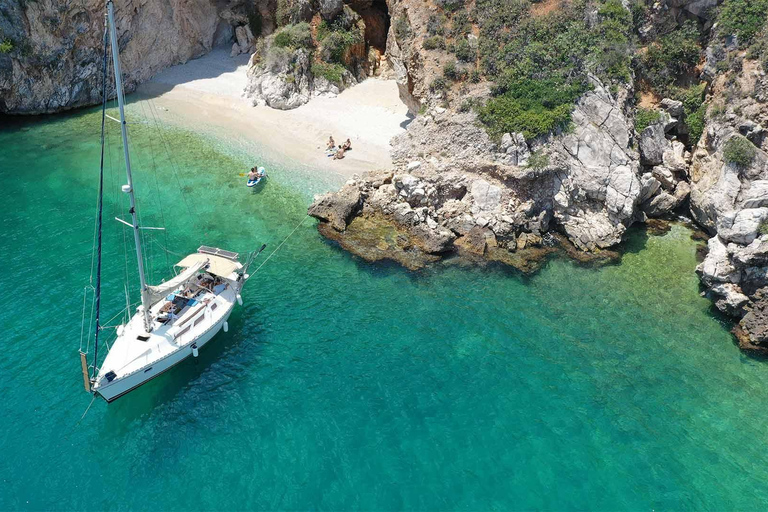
[
  {"x": 56, "y": 61},
  {"x": 597, "y": 187},
  {"x": 752, "y": 331},
  {"x": 454, "y": 186},
  {"x": 730, "y": 200}
]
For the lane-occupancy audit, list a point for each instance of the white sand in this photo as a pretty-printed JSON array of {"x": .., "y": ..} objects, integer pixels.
[{"x": 205, "y": 94}]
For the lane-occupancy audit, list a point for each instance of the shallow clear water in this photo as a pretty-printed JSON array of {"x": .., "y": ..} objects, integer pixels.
[{"x": 347, "y": 385}]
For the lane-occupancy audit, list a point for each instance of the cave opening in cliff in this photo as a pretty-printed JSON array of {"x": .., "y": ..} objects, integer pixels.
[{"x": 375, "y": 14}]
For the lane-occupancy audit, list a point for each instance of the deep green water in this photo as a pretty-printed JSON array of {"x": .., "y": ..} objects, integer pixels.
[{"x": 345, "y": 385}]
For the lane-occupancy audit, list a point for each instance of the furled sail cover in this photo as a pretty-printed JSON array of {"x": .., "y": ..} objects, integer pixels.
[{"x": 156, "y": 293}]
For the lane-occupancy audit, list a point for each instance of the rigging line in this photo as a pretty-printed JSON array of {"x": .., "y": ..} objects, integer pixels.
[
  {"x": 281, "y": 244},
  {"x": 179, "y": 255},
  {"x": 174, "y": 165},
  {"x": 157, "y": 187},
  {"x": 86, "y": 410}
]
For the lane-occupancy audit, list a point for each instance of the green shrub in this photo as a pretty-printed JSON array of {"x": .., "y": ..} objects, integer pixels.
[
  {"x": 438, "y": 84},
  {"x": 450, "y": 5},
  {"x": 434, "y": 43},
  {"x": 694, "y": 108},
  {"x": 763, "y": 229},
  {"x": 294, "y": 36},
  {"x": 278, "y": 59},
  {"x": 334, "y": 73},
  {"x": 323, "y": 29},
  {"x": 548, "y": 58},
  {"x": 403, "y": 29},
  {"x": 739, "y": 151},
  {"x": 282, "y": 39},
  {"x": 336, "y": 44},
  {"x": 460, "y": 24},
  {"x": 645, "y": 117},
  {"x": 464, "y": 51},
  {"x": 301, "y": 35},
  {"x": 696, "y": 121},
  {"x": 469, "y": 104},
  {"x": 474, "y": 76},
  {"x": 6, "y": 46},
  {"x": 533, "y": 107},
  {"x": 743, "y": 18},
  {"x": 538, "y": 161},
  {"x": 674, "y": 54},
  {"x": 436, "y": 25},
  {"x": 451, "y": 72}
]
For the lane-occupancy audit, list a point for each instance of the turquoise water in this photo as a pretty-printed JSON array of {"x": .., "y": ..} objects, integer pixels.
[{"x": 346, "y": 385}]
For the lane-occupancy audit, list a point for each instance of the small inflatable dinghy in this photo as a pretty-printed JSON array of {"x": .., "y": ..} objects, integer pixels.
[{"x": 261, "y": 173}]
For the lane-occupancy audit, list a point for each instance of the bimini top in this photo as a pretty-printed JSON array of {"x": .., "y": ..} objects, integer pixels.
[{"x": 217, "y": 265}]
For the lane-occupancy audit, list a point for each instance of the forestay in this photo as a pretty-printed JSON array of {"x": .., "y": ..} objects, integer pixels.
[{"x": 156, "y": 293}]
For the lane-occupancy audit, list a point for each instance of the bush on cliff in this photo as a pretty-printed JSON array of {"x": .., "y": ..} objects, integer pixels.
[
  {"x": 645, "y": 117},
  {"x": 743, "y": 18},
  {"x": 540, "y": 63},
  {"x": 532, "y": 107},
  {"x": 739, "y": 151},
  {"x": 671, "y": 56},
  {"x": 6, "y": 46},
  {"x": 434, "y": 43},
  {"x": 450, "y": 5},
  {"x": 278, "y": 59},
  {"x": 436, "y": 25},
  {"x": 464, "y": 51},
  {"x": 334, "y": 73},
  {"x": 294, "y": 36}
]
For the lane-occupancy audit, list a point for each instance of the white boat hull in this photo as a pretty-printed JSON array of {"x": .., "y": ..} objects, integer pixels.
[
  {"x": 121, "y": 386},
  {"x": 182, "y": 323}
]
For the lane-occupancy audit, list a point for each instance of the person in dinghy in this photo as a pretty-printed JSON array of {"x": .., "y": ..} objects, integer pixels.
[{"x": 255, "y": 176}]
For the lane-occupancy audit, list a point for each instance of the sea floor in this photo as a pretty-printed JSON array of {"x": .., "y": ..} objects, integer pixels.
[{"x": 346, "y": 385}]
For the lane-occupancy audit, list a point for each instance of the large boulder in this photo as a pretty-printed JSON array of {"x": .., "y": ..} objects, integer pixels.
[
  {"x": 717, "y": 266},
  {"x": 653, "y": 143},
  {"x": 597, "y": 187},
  {"x": 752, "y": 331},
  {"x": 337, "y": 208},
  {"x": 329, "y": 9}
]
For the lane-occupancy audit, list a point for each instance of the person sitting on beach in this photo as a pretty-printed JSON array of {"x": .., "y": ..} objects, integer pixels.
[
  {"x": 347, "y": 145},
  {"x": 331, "y": 144},
  {"x": 339, "y": 154}
]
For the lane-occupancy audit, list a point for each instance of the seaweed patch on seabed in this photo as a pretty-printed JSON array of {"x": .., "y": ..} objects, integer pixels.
[{"x": 375, "y": 237}]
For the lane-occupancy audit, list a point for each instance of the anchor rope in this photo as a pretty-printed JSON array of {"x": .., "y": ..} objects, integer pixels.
[{"x": 281, "y": 244}]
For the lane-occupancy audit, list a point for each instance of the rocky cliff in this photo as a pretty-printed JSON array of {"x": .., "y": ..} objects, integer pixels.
[
  {"x": 52, "y": 49},
  {"x": 682, "y": 134}
]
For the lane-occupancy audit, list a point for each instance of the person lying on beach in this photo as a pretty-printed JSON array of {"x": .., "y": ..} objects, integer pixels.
[
  {"x": 331, "y": 144},
  {"x": 347, "y": 145},
  {"x": 339, "y": 154}
]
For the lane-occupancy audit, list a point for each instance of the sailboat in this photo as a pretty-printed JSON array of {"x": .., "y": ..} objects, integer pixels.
[{"x": 176, "y": 318}]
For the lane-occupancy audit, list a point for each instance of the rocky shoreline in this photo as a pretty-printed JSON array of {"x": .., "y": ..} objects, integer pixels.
[{"x": 455, "y": 191}]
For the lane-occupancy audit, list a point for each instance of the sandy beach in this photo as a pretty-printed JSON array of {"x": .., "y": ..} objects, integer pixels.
[{"x": 206, "y": 94}]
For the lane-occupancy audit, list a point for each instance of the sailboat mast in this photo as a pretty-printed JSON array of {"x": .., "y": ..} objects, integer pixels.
[
  {"x": 97, "y": 298},
  {"x": 128, "y": 188}
]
